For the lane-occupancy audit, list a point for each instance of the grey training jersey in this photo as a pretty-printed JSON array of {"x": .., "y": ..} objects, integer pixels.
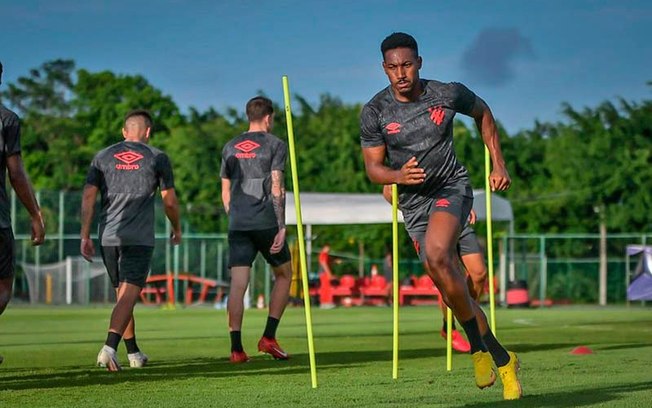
[
  {"x": 128, "y": 175},
  {"x": 248, "y": 161},
  {"x": 9, "y": 145},
  {"x": 423, "y": 129}
]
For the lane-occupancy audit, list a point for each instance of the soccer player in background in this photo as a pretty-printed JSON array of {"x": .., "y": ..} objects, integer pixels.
[
  {"x": 127, "y": 176},
  {"x": 11, "y": 163},
  {"x": 253, "y": 194},
  {"x": 406, "y": 134},
  {"x": 470, "y": 254}
]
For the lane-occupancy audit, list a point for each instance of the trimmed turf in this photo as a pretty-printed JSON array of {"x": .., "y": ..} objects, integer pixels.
[{"x": 50, "y": 355}]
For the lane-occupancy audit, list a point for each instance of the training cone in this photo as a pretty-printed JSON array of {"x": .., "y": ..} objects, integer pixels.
[{"x": 581, "y": 350}]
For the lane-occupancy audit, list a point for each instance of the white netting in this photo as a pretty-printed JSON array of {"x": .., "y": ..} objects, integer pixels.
[{"x": 72, "y": 281}]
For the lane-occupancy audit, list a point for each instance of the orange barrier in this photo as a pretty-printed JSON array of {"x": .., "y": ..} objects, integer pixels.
[{"x": 160, "y": 285}]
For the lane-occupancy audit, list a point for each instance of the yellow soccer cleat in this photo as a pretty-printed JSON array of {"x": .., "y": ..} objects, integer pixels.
[
  {"x": 483, "y": 367},
  {"x": 511, "y": 386}
]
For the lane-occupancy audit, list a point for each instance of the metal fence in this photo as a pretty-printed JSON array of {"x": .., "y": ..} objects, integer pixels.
[
  {"x": 560, "y": 267},
  {"x": 566, "y": 267}
]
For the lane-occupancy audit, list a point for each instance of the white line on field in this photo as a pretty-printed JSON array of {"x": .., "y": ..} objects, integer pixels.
[{"x": 525, "y": 322}]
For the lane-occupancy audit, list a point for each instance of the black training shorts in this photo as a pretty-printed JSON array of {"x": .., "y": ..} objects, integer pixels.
[
  {"x": 468, "y": 243},
  {"x": 244, "y": 245},
  {"x": 130, "y": 263},
  {"x": 7, "y": 253},
  {"x": 455, "y": 198}
]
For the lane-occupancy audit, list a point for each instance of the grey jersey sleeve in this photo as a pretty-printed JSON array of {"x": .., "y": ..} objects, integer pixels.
[
  {"x": 370, "y": 132},
  {"x": 164, "y": 172},
  {"x": 280, "y": 156},
  {"x": 224, "y": 171},
  {"x": 462, "y": 98},
  {"x": 94, "y": 176},
  {"x": 11, "y": 132}
]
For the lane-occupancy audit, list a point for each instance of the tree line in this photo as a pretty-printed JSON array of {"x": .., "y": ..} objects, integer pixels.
[{"x": 596, "y": 162}]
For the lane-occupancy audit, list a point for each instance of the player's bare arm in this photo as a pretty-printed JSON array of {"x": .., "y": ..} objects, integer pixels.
[
  {"x": 226, "y": 194},
  {"x": 20, "y": 182},
  {"x": 171, "y": 206},
  {"x": 374, "y": 160},
  {"x": 278, "y": 201},
  {"x": 89, "y": 196},
  {"x": 499, "y": 178}
]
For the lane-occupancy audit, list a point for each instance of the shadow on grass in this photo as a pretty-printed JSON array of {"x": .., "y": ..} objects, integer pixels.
[
  {"x": 621, "y": 346},
  {"x": 81, "y": 376},
  {"x": 77, "y": 376},
  {"x": 572, "y": 398}
]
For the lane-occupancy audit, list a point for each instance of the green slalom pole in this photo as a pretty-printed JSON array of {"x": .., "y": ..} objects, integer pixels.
[
  {"x": 395, "y": 278},
  {"x": 490, "y": 245},
  {"x": 300, "y": 238},
  {"x": 449, "y": 338}
]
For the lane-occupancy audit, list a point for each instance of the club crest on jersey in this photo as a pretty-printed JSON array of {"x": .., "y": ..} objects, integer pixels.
[
  {"x": 437, "y": 115},
  {"x": 393, "y": 128},
  {"x": 442, "y": 203},
  {"x": 128, "y": 159},
  {"x": 246, "y": 147}
]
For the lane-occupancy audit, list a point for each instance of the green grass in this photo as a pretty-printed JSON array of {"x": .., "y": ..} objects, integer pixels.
[{"x": 50, "y": 354}]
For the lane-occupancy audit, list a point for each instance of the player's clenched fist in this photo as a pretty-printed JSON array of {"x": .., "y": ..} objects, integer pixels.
[{"x": 411, "y": 173}]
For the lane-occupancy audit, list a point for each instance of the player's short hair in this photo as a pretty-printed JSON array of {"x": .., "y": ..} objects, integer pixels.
[
  {"x": 399, "y": 40},
  {"x": 0, "y": 67},
  {"x": 258, "y": 108},
  {"x": 140, "y": 113}
]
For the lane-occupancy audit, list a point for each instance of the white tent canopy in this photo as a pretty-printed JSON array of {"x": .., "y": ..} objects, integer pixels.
[
  {"x": 346, "y": 208},
  {"x": 369, "y": 208}
]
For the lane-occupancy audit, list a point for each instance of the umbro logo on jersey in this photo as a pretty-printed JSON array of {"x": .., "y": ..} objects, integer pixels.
[
  {"x": 437, "y": 114},
  {"x": 393, "y": 128},
  {"x": 246, "y": 147},
  {"x": 442, "y": 203},
  {"x": 128, "y": 159}
]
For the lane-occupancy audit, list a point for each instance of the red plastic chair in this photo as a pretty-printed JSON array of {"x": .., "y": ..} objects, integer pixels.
[{"x": 377, "y": 290}]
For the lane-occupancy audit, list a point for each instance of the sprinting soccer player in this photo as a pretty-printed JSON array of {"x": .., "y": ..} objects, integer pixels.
[
  {"x": 11, "y": 162},
  {"x": 253, "y": 194},
  {"x": 127, "y": 175},
  {"x": 410, "y": 124},
  {"x": 470, "y": 254}
]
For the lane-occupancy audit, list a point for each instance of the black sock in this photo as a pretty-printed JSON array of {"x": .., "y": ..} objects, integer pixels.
[
  {"x": 270, "y": 327},
  {"x": 444, "y": 326},
  {"x": 112, "y": 340},
  {"x": 236, "y": 341},
  {"x": 132, "y": 347},
  {"x": 473, "y": 334},
  {"x": 498, "y": 352}
]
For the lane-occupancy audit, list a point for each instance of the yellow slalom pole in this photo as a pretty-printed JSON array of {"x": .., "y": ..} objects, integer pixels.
[
  {"x": 395, "y": 278},
  {"x": 490, "y": 245},
  {"x": 449, "y": 338},
  {"x": 302, "y": 244}
]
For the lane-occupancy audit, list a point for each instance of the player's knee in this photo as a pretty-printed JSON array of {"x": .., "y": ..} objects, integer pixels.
[
  {"x": 283, "y": 271},
  {"x": 478, "y": 276},
  {"x": 439, "y": 261},
  {"x": 238, "y": 288}
]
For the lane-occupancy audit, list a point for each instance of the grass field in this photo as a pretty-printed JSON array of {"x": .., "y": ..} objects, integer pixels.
[{"x": 50, "y": 355}]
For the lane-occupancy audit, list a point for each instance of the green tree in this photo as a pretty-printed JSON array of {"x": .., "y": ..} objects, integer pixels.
[
  {"x": 52, "y": 140},
  {"x": 102, "y": 99}
]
